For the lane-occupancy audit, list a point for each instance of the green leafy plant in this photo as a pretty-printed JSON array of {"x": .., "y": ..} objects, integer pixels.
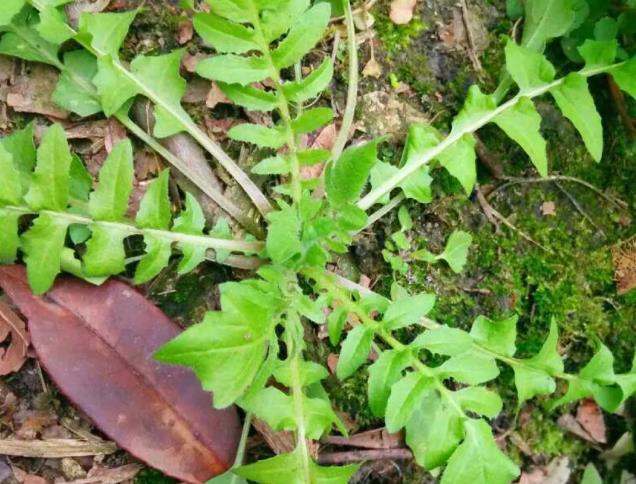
[
  {"x": 52, "y": 188},
  {"x": 252, "y": 352},
  {"x": 93, "y": 79}
]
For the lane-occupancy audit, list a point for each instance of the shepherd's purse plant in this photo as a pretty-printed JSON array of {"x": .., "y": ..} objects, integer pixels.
[{"x": 252, "y": 352}]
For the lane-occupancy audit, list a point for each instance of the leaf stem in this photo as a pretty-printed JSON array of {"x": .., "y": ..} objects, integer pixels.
[
  {"x": 376, "y": 194},
  {"x": 283, "y": 105},
  {"x": 177, "y": 237},
  {"x": 352, "y": 92},
  {"x": 509, "y": 360},
  {"x": 294, "y": 352}
]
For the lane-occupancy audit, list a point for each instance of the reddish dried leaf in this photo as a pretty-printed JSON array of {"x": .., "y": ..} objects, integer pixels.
[
  {"x": 590, "y": 416},
  {"x": 97, "y": 345},
  {"x": 13, "y": 357}
]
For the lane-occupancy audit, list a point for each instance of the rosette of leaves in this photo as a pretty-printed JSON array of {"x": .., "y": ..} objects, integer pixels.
[{"x": 48, "y": 190}]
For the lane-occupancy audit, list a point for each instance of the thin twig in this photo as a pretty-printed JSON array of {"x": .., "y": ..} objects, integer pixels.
[
  {"x": 579, "y": 208},
  {"x": 472, "y": 51},
  {"x": 510, "y": 181},
  {"x": 352, "y": 92},
  {"x": 490, "y": 161},
  {"x": 489, "y": 209},
  {"x": 338, "y": 458},
  {"x": 55, "y": 448},
  {"x": 621, "y": 107}
]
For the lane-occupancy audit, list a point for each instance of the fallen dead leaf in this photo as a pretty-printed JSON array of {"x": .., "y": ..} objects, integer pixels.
[
  {"x": 147, "y": 164},
  {"x": 31, "y": 423},
  {"x": 185, "y": 32},
  {"x": 590, "y": 416},
  {"x": 372, "y": 69},
  {"x": 96, "y": 345},
  {"x": 625, "y": 266},
  {"x": 5, "y": 469},
  {"x": 190, "y": 61},
  {"x": 332, "y": 362},
  {"x": 33, "y": 90},
  {"x": 279, "y": 442},
  {"x": 72, "y": 469},
  {"x": 569, "y": 423},
  {"x": 115, "y": 133},
  {"x": 215, "y": 96},
  {"x": 106, "y": 475},
  {"x": 548, "y": 209},
  {"x": 197, "y": 91},
  {"x": 11, "y": 326},
  {"x": 556, "y": 472},
  {"x": 75, "y": 9},
  {"x": 402, "y": 11}
]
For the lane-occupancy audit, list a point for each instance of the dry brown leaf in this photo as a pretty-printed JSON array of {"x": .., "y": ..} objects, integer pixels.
[
  {"x": 31, "y": 423},
  {"x": 106, "y": 475},
  {"x": 570, "y": 423},
  {"x": 591, "y": 418},
  {"x": 197, "y": 91},
  {"x": 33, "y": 90},
  {"x": 556, "y": 472},
  {"x": 279, "y": 442},
  {"x": 548, "y": 209},
  {"x": 75, "y": 9},
  {"x": 147, "y": 165},
  {"x": 625, "y": 266},
  {"x": 115, "y": 133},
  {"x": 402, "y": 11},
  {"x": 190, "y": 61},
  {"x": 332, "y": 362},
  {"x": 185, "y": 32},
  {"x": 14, "y": 355},
  {"x": 215, "y": 96},
  {"x": 372, "y": 69},
  {"x": 72, "y": 469}
]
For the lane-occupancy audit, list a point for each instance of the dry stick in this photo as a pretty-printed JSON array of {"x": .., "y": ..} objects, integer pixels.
[
  {"x": 55, "y": 448},
  {"x": 488, "y": 159},
  {"x": 510, "y": 181},
  {"x": 621, "y": 106},
  {"x": 338, "y": 458},
  {"x": 352, "y": 92},
  {"x": 491, "y": 213},
  {"x": 579, "y": 209},
  {"x": 472, "y": 51}
]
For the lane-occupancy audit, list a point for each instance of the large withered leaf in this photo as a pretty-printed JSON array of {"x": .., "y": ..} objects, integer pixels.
[
  {"x": 11, "y": 326},
  {"x": 97, "y": 345}
]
